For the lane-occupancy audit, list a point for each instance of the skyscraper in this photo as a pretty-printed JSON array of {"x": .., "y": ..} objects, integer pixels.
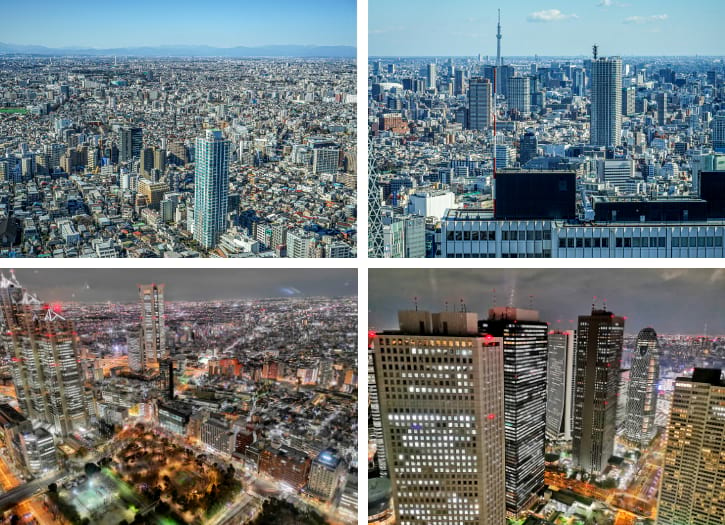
[
  {"x": 718, "y": 132},
  {"x": 432, "y": 76},
  {"x": 459, "y": 82},
  {"x": 480, "y": 104},
  {"x": 606, "y": 109},
  {"x": 642, "y": 392},
  {"x": 560, "y": 385},
  {"x": 153, "y": 326},
  {"x": 528, "y": 147},
  {"x": 131, "y": 140},
  {"x": 692, "y": 491},
  {"x": 376, "y": 241},
  {"x": 44, "y": 351},
  {"x": 524, "y": 339},
  {"x": 440, "y": 386},
  {"x": 211, "y": 188},
  {"x": 598, "y": 361},
  {"x": 661, "y": 108},
  {"x": 519, "y": 96}
]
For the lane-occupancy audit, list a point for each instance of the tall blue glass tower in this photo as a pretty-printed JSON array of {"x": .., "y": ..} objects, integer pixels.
[{"x": 211, "y": 188}]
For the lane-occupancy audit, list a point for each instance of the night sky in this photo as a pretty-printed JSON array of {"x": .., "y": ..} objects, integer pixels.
[
  {"x": 120, "y": 285},
  {"x": 669, "y": 300}
]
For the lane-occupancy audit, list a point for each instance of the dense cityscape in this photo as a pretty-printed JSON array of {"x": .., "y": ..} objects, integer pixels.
[
  {"x": 587, "y": 155},
  {"x": 128, "y": 156},
  {"x": 177, "y": 411},
  {"x": 511, "y": 417}
]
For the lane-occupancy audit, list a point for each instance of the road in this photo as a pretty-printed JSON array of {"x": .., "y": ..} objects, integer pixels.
[{"x": 23, "y": 492}]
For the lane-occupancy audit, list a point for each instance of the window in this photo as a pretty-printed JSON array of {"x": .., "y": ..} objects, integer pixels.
[
  {"x": 627, "y": 242},
  {"x": 588, "y": 242},
  {"x": 635, "y": 242},
  {"x": 579, "y": 242},
  {"x": 467, "y": 236},
  {"x": 562, "y": 243},
  {"x": 701, "y": 242},
  {"x": 675, "y": 242},
  {"x": 547, "y": 235},
  {"x": 605, "y": 243},
  {"x": 474, "y": 235},
  {"x": 459, "y": 235},
  {"x": 570, "y": 242}
]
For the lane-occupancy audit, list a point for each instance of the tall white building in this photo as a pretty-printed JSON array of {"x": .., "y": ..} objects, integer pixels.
[
  {"x": 606, "y": 110},
  {"x": 560, "y": 373},
  {"x": 440, "y": 387},
  {"x": 519, "y": 95},
  {"x": 211, "y": 188},
  {"x": 432, "y": 76}
]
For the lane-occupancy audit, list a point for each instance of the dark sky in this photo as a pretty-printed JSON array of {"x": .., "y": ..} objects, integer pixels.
[
  {"x": 185, "y": 284},
  {"x": 669, "y": 300}
]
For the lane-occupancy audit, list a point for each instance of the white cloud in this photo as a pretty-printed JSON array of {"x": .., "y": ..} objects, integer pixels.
[
  {"x": 645, "y": 19},
  {"x": 550, "y": 15},
  {"x": 612, "y": 3},
  {"x": 605, "y": 3}
]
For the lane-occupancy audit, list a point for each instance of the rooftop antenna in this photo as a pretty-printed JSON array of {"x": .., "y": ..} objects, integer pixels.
[
  {"x": 531, "y": 302},
  {"x": 595, "y": 51},
  {"x": 463, "y": 306},
  {"x": 604, "y": 304},
  {"x": 446, "y": 307},
  {"x": 415, "y": 302},
  {"x": 494, "y": 297},
  {"x": 594, "y": 303}
]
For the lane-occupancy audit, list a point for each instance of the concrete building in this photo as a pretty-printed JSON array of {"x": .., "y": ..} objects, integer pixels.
[
  {"x": 480, "y": 104},
  {"x": 440, "y": 386},
  {"x": 606, "y": 107},
  {"x": 325, "y": 473},
  {"x": 691, "y": 491},
  {"x": 153, "y": 323}
]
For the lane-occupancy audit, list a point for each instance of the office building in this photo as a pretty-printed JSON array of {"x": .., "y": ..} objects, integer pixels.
[
  {"x": 524, "y": 339},
  {"x": 325, "y": 473},
  {"x": 431, "y": 76},
  {"x": 44, "y": 351},
  {"x": 598, "y": 358},
  {"x": 153, "y": 323},
  {"x": 131, "y": 140},
  {"x": 480, "y": 104},
  {"x": 628, "y": 101},
  {"x": 661, "y": 108},
  {"x": 440, "y": 385},
  {"x": 692, "y": 491},
  {"x": 211, "y": 188},
  {"x": 718, "y": 132},
  {"x": 644, "y": 373},
  {"x": 519, "y": 96},
  {"x": 528, "y": 147},
  {"x": 606, "y": 103},
  {"x": 560, "y": 384},
  {"x": 524, "y": 194},
  {"x": 153, "y": 191}
]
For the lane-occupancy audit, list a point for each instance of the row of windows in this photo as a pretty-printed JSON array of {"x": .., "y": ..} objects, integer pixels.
[
  {"x": 545, "y": 254},
  {"x": 475, "y": 235}
]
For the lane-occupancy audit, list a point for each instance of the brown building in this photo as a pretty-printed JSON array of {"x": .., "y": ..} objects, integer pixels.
[{"x": 285, "y": 464}]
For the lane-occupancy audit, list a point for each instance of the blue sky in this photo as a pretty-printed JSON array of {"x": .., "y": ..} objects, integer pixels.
[
  {"x": 221, "y": 23},
  {"x": 546, "y": 27}
]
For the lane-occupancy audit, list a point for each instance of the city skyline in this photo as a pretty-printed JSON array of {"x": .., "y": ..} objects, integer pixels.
[
  {"x": 318, "y": 22},
  {"x": 467, "y": 28},
  {"x": 644, "y": 296},
  {"x": 99, "y": 285}
]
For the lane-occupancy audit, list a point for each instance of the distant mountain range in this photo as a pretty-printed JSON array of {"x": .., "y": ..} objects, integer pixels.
[{"x": 186, "y": 51}]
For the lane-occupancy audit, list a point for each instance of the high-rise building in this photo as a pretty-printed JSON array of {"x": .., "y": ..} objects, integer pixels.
[
  {"x": 480, "y": 104},
  {"x": 44, "y": 350},
  {"x": 661, "y": 108},
  {"x": 211, "y": 188},
  {"x": 639, "y": 426},
  {"x": 528, "y": 147},
  {"x": 131, "y": 140},
  {"x": 692, "y": 491},
  {"x": 560, "y": 385},
  {"x": 431, "y": 76},
  {"x": 440, "y": 385},
  {"x": 628, "y": 101},
  {"x": 606, "y": 108},
  {"x": 146, "y": 162},
  {"x": 598, "y": 360},
  {"x": 524, "y": 339},
  {"x": 718, "y": 132},
  {"x": 519, "y": 95},
  {"x": 153, "y": 325},
  {"x": 459, "y": 82},
  {"x": 325, "y": 474}
]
